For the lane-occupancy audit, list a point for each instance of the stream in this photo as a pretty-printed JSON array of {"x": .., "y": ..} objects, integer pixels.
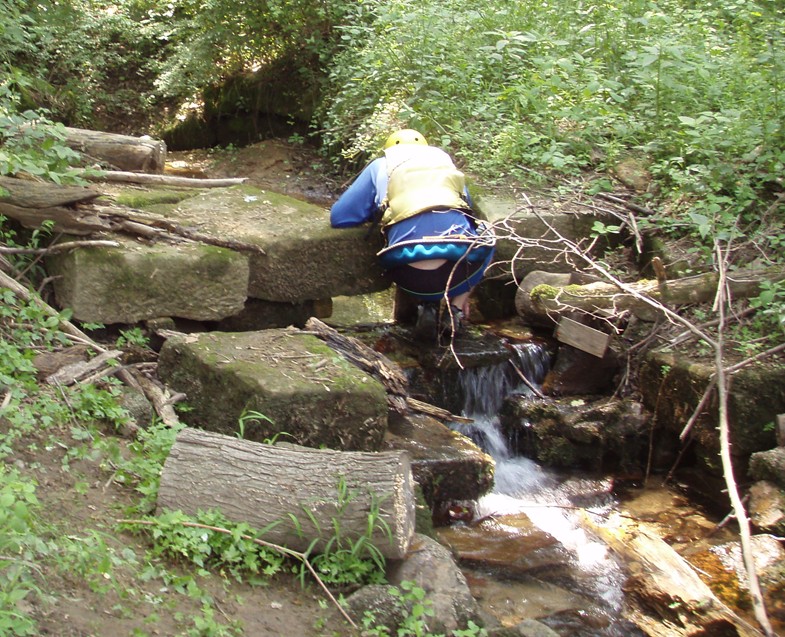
[
  {"x": 525, "y": 552},
  {"x": 532, "y": 558}
]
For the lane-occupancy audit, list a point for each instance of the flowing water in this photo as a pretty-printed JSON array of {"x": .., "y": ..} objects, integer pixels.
[{"x": 539, "y": 562}]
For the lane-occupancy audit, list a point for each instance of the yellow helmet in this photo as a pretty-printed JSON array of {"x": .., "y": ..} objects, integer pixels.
[{"x": 405, "y": 136}]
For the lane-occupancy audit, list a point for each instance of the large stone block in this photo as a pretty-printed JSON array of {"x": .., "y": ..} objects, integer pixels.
[
  {"x": 305, "y": 392},
  {"x": 136, "y": 282},
  {"x": 304, "y": 258},
  {"x": 672, "y": 387},
  {"x": 529, "y": 241}
]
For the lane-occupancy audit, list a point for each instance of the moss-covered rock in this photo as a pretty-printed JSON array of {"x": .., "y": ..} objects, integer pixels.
[
  {"x": 300, "y": 390},
  {"x": 136, "y": 282},
  {"x": 600, "y": 435},
  {"x": 304, "y": 257},
  {"x": 672, "y": 388}
]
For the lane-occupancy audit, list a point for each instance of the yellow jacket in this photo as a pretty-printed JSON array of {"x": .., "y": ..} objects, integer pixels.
[{"x": 420, "y": 178}]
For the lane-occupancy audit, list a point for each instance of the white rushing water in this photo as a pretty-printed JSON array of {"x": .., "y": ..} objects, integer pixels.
[{"x": 522, "y": 486}]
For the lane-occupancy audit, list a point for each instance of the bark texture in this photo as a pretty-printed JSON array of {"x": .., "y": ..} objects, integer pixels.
[{"x": 299, "y": 494}]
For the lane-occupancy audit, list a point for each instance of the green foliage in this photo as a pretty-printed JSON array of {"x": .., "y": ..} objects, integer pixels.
[
  {"x": 32, "y": 144},
  {"x": 416, "y": 610},
  {"x": 352, "y": 560},
  {"x": 142, "y": 470},
  {"x": 133, "y": 336},
  {"x": 529, "y": 90},
  {"x": 20, "y": 549},
  {"x": 196, "y": 541}
]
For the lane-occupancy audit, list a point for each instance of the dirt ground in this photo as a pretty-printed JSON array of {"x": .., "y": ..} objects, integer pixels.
[{"x": 81, "y": 500}]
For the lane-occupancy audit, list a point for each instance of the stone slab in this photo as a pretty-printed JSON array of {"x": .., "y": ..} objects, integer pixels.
[
  {"x": 516, "y": 254},
  {"x": 305, "y": 392},
  {"x": 305, "y": 259},
  {"x": 136, "y": 282}
]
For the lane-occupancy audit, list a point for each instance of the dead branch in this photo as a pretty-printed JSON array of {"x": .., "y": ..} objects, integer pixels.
[
  {"x": 60, "y": 247},
  {"x": 742, "y": 520},
  {"x": 119, "y": 176}
]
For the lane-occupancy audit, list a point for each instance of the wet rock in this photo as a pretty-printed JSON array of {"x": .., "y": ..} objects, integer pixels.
[
  {"x": 598, "y": 435},
  {"x": 135, "y": 282},
  {"x": 767, "y": 507},
  {"x": 673, "y": 386},
  {"x": 304, "y": 392},
  {"x": 531, "y": 628},
  {"x": 490, "y": 544},
  {"x": 729, "y": 574},
  {"x": 769, "y": 465},
  {"x": 446, "y": 464},
  {"x": 431, "y": 567},
  {"x": 578, "y": 373}
]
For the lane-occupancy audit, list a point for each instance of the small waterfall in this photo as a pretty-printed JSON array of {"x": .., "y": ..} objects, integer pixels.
[{"x": 522, "y": 486}]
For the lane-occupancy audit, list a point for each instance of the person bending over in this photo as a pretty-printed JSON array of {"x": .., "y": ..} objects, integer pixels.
[{"x": 435, "y": 249}]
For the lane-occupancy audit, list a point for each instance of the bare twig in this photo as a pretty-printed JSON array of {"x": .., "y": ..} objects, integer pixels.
[
  {"x": 60, "y": 247},
  {"x": 742, "y": 520}
]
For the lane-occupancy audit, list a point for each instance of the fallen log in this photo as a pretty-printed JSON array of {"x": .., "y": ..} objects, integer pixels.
[
  {"x": 544, "y": 296},
  {"x": 672, "y": 601},
  {"x": 124, "y": 177},
  {"x": 298, "y": 494},
  {"x": 118, "y": 152}
]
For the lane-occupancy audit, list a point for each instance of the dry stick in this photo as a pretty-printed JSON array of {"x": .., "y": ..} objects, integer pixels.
[
  {"x": 60, "y": 247},
  {"x": 276, "y": 547},
  {"x": 738, "y": 506},
  {"x": 530, "y": 384}
]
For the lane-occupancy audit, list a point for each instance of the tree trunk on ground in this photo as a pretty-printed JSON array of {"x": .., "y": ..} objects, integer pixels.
[
  {"x": 277, "y": 484},
  {"x": 124, "y": 177},
  {"x": 545, "y": 297},
  {"x": 672, "y": 600},
  {"x": 118, "y": 152}
]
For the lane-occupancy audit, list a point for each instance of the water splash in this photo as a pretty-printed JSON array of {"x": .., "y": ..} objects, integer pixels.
[{"x": 522, "y": 486}]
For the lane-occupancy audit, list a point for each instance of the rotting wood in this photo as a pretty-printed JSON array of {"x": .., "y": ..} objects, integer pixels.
[
  {"x": 74, "y": 372},
  {"x": 293, "y": 492},
  {"x": 436, "y": 412},
  {"x": 672, "y": 600},
  {"x": 119, "y": 176}
]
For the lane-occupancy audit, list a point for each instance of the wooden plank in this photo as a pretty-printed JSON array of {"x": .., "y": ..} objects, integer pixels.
[{"x": 582, "y": 337}]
